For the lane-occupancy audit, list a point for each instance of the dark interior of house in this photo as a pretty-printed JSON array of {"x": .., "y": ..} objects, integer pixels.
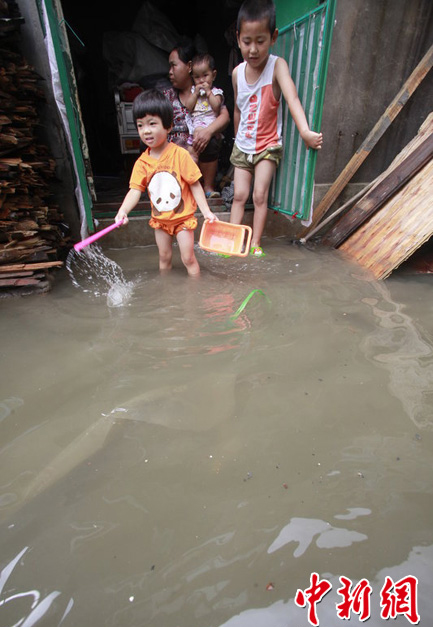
[{"x": 130, "y": 45}]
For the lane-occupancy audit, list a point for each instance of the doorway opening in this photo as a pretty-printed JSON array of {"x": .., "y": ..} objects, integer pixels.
[{"x": 115, "y": 51}]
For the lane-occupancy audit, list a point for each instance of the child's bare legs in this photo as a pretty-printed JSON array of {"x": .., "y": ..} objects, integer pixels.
[
  {"x": 208, "y": 170},
  {"x": 164, "y": 241},
  {"x": 242, "y": 186},
  {"x": 185, "y": 240},
  {"x": 263, "y": 173}
]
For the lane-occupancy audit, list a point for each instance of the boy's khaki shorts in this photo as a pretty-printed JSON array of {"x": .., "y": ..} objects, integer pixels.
[{"x": 248, "y": 162}]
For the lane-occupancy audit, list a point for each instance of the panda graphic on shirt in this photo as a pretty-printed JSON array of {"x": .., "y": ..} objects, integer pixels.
[{"x": 165, "y": 193}]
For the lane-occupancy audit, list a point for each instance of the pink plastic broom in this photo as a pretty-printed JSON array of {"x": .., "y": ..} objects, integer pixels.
[{"x": 92, "y": 238}]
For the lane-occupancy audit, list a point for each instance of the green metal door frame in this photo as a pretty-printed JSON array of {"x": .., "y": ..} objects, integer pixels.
[
  {"x": 68, "y": 86},
  {"x": 288, "y": 11},
  {"x": 305, "y": 43}
]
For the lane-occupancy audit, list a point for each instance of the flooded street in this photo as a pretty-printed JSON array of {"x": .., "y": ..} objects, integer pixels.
[{"x": 183, "y": 456}]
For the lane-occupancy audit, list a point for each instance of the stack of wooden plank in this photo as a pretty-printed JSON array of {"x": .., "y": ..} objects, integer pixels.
[
  {"x": 32, "y": 240},
  {"x": 384, "y": 122},
  {"x": 395, "y": 217}
]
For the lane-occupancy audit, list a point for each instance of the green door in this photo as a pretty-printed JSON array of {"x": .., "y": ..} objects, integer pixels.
[{"x": 304, "y": 39}]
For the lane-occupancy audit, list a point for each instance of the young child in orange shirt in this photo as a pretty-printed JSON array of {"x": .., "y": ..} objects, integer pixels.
[{"x": 172, "y": 180}]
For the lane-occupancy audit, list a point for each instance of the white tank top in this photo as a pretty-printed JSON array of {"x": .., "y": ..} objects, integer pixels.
[{"x": 260, "y": 113}]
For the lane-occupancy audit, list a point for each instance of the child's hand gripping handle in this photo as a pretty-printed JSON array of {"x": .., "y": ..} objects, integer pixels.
[{"x": 89, "y": 240}]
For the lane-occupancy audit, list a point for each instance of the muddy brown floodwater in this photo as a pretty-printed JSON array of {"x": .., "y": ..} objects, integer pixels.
[{"x": 173, "y": 459}]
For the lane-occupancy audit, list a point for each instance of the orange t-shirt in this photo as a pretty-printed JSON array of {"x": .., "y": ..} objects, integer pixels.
[{"x": 167, "y": 181}]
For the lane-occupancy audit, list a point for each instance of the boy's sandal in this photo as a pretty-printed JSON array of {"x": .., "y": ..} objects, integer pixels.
[
  {"x": 213, "y": 195},
  {"x": 256, "y": 251}
]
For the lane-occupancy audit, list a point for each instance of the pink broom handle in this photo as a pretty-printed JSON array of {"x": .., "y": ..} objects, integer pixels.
[{"x": 89, "y": 240}]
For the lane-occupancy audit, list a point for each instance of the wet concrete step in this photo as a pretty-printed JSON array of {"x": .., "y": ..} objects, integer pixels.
[
  {"x": 139, "y": 233},
  {"x": 109, "y": 209}
]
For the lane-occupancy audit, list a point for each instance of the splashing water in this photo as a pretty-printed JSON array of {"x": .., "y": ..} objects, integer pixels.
[
  {"x": 94, "y": 273},
  {"x": 119, "y": 294}
]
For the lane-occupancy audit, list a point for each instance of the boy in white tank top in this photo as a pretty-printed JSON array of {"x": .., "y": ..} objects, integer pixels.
[{"x": 258, "y": 83}]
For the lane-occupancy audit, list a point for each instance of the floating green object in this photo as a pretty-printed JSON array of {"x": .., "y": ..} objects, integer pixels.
[{"x": 246, "y": 301}]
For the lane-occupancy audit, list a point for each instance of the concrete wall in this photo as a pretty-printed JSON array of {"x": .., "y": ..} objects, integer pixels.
[{"x": 376, "y": 45}]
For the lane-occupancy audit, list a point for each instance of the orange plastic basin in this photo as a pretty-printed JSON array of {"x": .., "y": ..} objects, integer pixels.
[{"x": 226, "y": 238}]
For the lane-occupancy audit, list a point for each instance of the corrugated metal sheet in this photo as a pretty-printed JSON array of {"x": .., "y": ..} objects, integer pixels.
[{"x": 305, "y": 46}]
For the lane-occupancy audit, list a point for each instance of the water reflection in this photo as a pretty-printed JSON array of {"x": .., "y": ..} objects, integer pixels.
[
  {"x": 27, "y": 608},
  {"x": 399, "y": 346},
  {"x": 8, "y": 405},
  {"x": 304, "y": 530}
]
